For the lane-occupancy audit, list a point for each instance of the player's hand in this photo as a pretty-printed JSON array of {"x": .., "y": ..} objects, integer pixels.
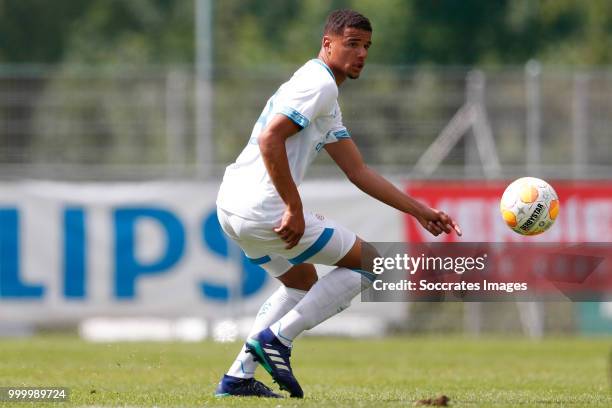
[
  {"x": 291, "y": 228},
  {"x": 436, "y": 222}
]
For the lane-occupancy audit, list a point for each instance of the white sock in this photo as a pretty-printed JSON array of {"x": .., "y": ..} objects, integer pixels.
[
  {"x": 329, "y": 296},
  {"x": 277, "y": 305}
]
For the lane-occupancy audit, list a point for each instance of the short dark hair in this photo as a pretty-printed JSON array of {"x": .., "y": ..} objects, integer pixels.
[{"x": 338, "y": 20}]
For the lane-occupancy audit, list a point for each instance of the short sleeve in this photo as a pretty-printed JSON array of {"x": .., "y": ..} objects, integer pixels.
[
  {"x": 302, "y": 104},
  {"x": 338, "y": 131}
]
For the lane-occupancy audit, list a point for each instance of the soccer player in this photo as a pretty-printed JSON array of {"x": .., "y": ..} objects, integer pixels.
[{"x": 259, "y": 207}]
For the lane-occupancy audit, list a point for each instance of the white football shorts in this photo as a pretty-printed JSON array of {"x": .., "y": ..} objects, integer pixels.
[{"x": 324, "y": 242}]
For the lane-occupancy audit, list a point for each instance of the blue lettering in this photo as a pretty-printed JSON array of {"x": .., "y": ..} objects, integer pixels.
[
  {"x": 127, "y": 267},
  {"x": 74, "y": 253},
  {"x": 10, "y": 284}
]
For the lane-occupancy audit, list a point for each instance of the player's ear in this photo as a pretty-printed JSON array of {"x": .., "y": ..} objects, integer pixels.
[{"x": 326, "y": 43}]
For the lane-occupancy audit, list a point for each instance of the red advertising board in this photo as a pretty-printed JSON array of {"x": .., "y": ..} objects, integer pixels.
[{"x": 585, "y": 211}]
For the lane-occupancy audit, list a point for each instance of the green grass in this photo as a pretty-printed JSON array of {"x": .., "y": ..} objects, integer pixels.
[{"x": 333, "y": 372}]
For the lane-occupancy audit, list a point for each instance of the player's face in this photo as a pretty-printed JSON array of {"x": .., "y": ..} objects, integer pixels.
[{"x": 347, "y": 53}]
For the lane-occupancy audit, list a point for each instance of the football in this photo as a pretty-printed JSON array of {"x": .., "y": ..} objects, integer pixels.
[{"x": 529, "y": 206}]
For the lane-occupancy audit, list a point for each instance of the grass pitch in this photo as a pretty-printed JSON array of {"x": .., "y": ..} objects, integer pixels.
[{"x": 392, "y": 372}]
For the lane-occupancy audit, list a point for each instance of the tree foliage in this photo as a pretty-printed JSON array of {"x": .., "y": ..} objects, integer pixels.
[{"x": 256, "y": 32}]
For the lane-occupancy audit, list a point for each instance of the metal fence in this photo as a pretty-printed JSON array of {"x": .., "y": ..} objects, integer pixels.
[{"x": 98, "y": 123}]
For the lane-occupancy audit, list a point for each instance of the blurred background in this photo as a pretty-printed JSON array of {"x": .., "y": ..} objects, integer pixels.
[{"x": 117, "y": 119}]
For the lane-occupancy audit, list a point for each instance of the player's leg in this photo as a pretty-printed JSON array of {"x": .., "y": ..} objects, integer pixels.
[
  {"x": 359, "y": 257},
  {"x": 243, "y": 367},
  {"x": 330, "y": 295},
  {"x": 297, "y": 279},
  {"x": 296, "y": 282},
  {"x": 300, "y": 277},
  {"x": 263, "y": 346},
  {"x": 326, "y": 243}
]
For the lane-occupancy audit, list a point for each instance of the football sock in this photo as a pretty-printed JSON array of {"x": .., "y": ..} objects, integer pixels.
[
  {"x": 277, "y": 305},
  {"x": 329, "y": 296}
]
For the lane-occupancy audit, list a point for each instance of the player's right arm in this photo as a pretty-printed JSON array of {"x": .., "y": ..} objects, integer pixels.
[{"x": 274, "y": 154}]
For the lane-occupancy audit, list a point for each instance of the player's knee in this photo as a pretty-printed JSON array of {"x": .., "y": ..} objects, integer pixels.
[
  {"x": 359, "y": 256},
  {"x": 299, "y": 277},
  {"x": 300, "y": 284},
  {"x": 368, "y": 254},
  {"x": 310, "y": 280}
]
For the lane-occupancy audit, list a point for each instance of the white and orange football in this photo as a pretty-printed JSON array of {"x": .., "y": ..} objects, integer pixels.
[{"x": 529, "y": 206}]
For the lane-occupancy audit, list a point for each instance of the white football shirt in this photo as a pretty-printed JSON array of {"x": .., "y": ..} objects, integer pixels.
[{"x": 310, "y": 99}]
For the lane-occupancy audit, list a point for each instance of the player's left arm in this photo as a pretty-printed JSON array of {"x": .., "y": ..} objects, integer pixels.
[{"x": 346, "y": 154}]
